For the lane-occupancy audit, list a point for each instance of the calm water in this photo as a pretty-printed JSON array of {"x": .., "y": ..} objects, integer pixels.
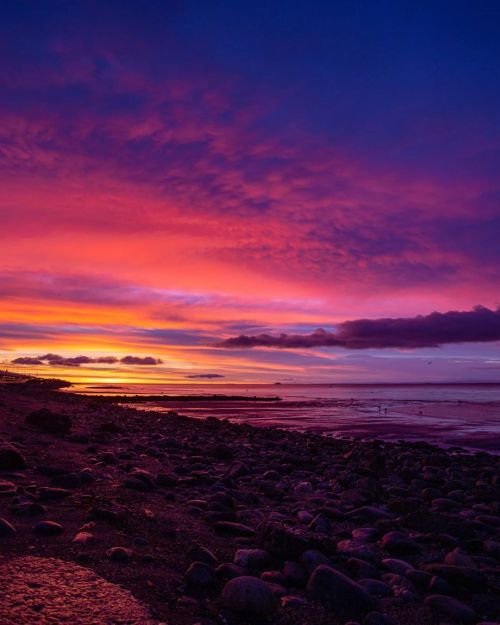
[{"x": 465, "y": 415}]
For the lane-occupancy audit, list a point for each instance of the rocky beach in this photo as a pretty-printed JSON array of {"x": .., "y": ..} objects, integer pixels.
[{"x": 111, "y": 515}]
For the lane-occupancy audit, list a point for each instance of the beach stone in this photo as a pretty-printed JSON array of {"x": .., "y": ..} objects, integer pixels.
[
  {"x": 281, "y": 540},
  {"x": 355, "y": 549},
  {"x": 249, "y": 595},
  {"x": 48, "y": 528},
  {"x": 304, "y": 517},
  {"x": 28, "y": 508},
  {"x": 292, "y": 601},
  {"x": 361, "y": 568},
  {"x": 368, "y": 513},
  {"x": 492, "y": 547},
  {"x": 330, "y": 586},
  {"x": 376, "y": 588},
  {"x": 470, "y": 579},
  {"x": 458, "y": 557},
  {"x": 197, "y": 553},
  {"x": 7, "y": 488},
  {"x": 119, "y": 554},
  {"x": 399, "y": 543},
  {"x": 312, "y": 558},
  {"x": 222, "y": 452},
  {"x": 238, "y": 469},
  {"x": 303, "y": 488},
  {"x": 231, "y": 528},
  {"x": 83, "y": 538},
  {"x": 365, "y": 535},
  {"x": 44, "y": 591},
  {"x": 393, "y": 565},
  {"x": 321, "y": 524},
  {"x": 451, "y": 608},
  {"x": 439, "y": 586},
  {"x": 199, "y": 575},
  {"x": 135, "y": 483},
  {"x": 274, "y": 577},
  {"x": 377, "y": 618},
  {"x": 11, "y": 459},
  {"x": 6, "y": 528},
  {"x": 67, "y": 480},
  {"x": 229, "y": 570},
  {"x": 49, "y": 493},
  {"x": 48, "y": 421},
  {"x": 251, "y": 558},
  {"x": 418, "y": 578},
  {"x": 294, "y": 574}
]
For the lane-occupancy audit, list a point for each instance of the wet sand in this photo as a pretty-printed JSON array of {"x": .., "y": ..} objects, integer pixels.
[{"x": 472, "y": 425}]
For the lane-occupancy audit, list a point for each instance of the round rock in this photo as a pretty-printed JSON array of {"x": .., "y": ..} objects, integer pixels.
[
  {"x": 451, "y": 608},
  {"x": 333, "y": 587},
  {"x": 249, "y": 595}
]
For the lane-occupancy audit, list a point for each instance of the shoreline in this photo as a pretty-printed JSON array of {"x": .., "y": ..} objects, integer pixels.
[{"x": 157, "y": 490}]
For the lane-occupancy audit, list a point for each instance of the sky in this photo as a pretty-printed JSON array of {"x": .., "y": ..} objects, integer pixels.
[{"x": 181, "y": 178}]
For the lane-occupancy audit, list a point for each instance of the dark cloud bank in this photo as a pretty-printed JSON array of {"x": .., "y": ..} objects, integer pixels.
[
  {"x": 204, "y": 376},
  {"x": 76, "y": 361},
  {"x": 478, "y": 325}
]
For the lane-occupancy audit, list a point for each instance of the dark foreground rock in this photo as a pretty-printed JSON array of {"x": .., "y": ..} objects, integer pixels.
[
  {"x": 11, "y": 459},
  {"x": 343, "y": 594},
  {"x": 49, "y": 421},
  {"x": 249, "y": 595}
]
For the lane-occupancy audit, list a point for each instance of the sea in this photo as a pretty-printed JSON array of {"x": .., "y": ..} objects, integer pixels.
[{"x": 448, "y": 415}]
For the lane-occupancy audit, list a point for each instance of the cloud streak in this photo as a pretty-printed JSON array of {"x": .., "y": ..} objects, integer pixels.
[
  {"x": 480, "y": 325},
  {"x": 76, "y": 361}
]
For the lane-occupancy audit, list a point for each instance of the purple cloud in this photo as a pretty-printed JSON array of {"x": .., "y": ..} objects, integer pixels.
[
  {"x": 479, "y": 325},
  {"x": 26, "y": 360},
  {"x": 76, "y": 361},
  {"x": 137, "y": 360},
  {"x": 205, "y": 376}
]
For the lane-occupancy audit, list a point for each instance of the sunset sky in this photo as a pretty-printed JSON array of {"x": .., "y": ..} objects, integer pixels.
[{"x": 179, "y": 178}]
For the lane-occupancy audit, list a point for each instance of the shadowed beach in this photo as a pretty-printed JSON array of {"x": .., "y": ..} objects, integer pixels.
[{"x": 203, "y": 519}]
